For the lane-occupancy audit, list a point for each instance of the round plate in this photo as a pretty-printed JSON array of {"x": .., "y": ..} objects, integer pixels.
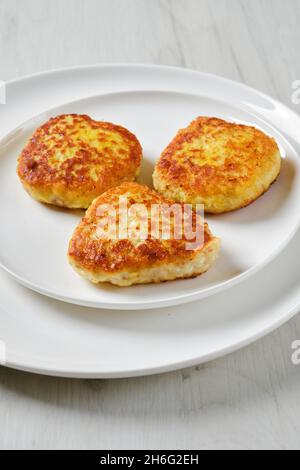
[
  {"x": 54, "y": 338},
  {"x": 154, "y": 103}
]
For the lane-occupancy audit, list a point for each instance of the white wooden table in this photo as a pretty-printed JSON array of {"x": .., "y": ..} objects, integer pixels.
[{"x": 250, "y": 399}]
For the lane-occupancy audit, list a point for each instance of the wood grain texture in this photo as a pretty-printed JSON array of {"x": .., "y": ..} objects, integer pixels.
[{"x": 247, "y": 400}]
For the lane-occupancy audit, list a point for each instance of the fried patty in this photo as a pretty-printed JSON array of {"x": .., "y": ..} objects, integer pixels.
[
  {"x": 222, "y": 165},
  {"x": 127, "y": 258},
  {"x": 72, "y": 159}
]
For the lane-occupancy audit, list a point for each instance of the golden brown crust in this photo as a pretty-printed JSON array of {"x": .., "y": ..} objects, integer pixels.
[
  {"x": 72, "y": 159},
  {"x": 95, "y": 255},
  {"x": 212, "y": 161}
]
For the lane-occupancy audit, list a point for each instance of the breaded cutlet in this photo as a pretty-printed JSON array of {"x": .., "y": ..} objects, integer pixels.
[
  {"x": 72, "y": 159},
  {"x": 223, "y": 165},
  {"x": 133, "y": 259}
]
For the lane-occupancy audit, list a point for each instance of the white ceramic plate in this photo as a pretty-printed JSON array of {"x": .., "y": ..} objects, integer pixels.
[
  {"x": 154, "y": 103},
  {"x": 51, "y": 337}
]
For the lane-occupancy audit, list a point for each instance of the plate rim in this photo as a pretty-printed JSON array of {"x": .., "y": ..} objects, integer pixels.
[
  {"x": 170, "y": 301},
  {"x": 144, "y": 372},
  {"x": 146, "y": 65}
]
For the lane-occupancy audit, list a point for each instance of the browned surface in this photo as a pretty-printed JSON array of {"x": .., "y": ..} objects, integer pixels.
[
  {"x": 214, "y": 158},
  {"x": 73, "y": 158},
  {"x": 115, "y": 255}
]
